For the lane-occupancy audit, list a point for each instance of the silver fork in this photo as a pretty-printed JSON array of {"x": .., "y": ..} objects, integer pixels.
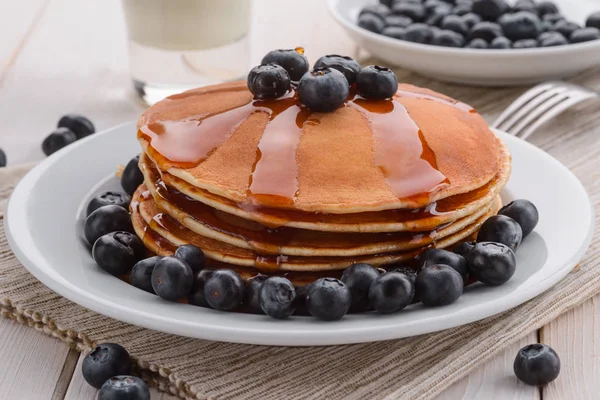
[{"x": 539, "y": 105}]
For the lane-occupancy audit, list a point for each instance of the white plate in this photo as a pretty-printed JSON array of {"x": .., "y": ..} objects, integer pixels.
[
  {"x": 473, "y": 66},
  {"x": 45, "y": 215}
]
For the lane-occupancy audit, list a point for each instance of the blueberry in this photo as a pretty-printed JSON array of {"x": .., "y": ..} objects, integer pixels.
[
  {"x": 2, "y": 158},
  {"x": 471, "y": 19},
  {"x": 192, "y": 255},
  {"x": 419, "y": 33},
  {"x": 141, "y": 274},
  {"x": 537, "y": 364},
  {"x": 456, "y": 24},
  {"x": 132, "y": 176},
  {"x": 117, "y": 252},
  {"x": 391, "y": 292},
  {"x": 58, "y": 139},
  {"x": 103, "y": 362},
  {"x": 437, "y": 15},
  {"x": 387, "y": 3},
  {"x": 323, "y": 89},
  {"x": 409, "y": 272},
  {"x": 553, "y": 18},
  {"x": 585, "y": 35},
  {"x": 224, "y": 290},
  {"x": 80, "y": 125},
  {"x": 328, "y": 299},
  {"x": 268, "y": 81},
  {"x": 394, "y": 32},
  {"x": 276, "y": 297},
  {"x": 464, "y": 248},
  {"x": 346, "y": 65},
  {"x": 521, "y": 25},
  {"x": 492, "y": 263},
  {"x": 371, "y": 23},
  {"x": 566, "y": 28},
  {"x": 123, "y": 387},
  {"x": 376, "y": 82},
  {"x": 380, "y": 10},
  {"x": 478, "y": 44},
  {"x": 438, "y": 285},
  {"x": 292, "y": 60},
  {"x": 440, "y": 256},
  {"x": 501, "y": 43},
  {"x": 300, "y": 301},
  {"x": 252, "y": 290},
  {"x": 172, "y": 278},
  {"x": 523, "y": 211},
  {"x": 490, "y": 10},
  {"x": 196, "y": 296},
  {"x": 487, "y": 31},
  {"x": 358, "y": 279},
  {"x": 593, "y": 21},
  {"x": 463, "y": 8},
  {"x": 547, "y": 26},
  {"x": 525, "y": 5},
  {"x": 107, "y": 198},
  {"x": 525, "y": 44},
  {"x": 546, "y": 7},
  {"x": 400, "y": 21},
  {"x": 448, "y": 38},
  {"x": 431, "y": 5},
  {"x": 501, "y": 229},
  {"x": 106, "y": 219},
  {"x": 414, "y": 11}
]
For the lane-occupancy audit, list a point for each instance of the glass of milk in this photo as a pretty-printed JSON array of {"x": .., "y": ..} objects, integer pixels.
[{"x": 175, "y": 45}]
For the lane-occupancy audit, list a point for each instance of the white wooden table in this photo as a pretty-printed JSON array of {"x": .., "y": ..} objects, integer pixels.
[{"x": 59, "y": 56}]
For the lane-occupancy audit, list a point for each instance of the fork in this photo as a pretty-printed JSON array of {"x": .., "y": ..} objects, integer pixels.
[{"x": 539, "y": 105}]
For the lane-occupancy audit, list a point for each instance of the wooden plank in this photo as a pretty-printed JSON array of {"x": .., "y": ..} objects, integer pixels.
[
  {"x": 574, "y": 336},
  {"x": 30, "y": 362},
  {"x": 495, "y": 380},
  {"x": 65, "y": 375}
]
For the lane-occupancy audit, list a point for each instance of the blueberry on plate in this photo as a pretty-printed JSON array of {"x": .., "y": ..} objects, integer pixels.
[
  {"x": 501, "y": 229},
  {"x": 358, "y": 279},
  {"x": 380, "y": 10},
  {"x": 486, "y": 30},
  {"x": 106, "y": 219},
  {"x": 409, "y": 272},
  {"x": 107, "y": 198},
  {"x": 123, "y": 387},
  {"x": 546, "y": 7},
  {"x": 292, "y": 60},
  {"x": 276, "y": 297},
  {"x": 447, "y": 38},
  {"x": 525, "y": 44},
  {"x": 141, "y": 273},
  {"x": 566, "y": 28},
  {"x": 438, "y": 285},
  {"x": 224, "y": 290},
  {"x": 323, "y": 89},
  {"x": 132, "y": 176},
  {"x": 58, "y": 139},
  {"x": 118, "y": 252},
  {"x": 252, "y": 300},
  {"x": 391, "y": 292},
  {"x": 395, "y": 32},
  {"x": 525, "y": 5},
  {"x": 441, "y": 256},
  {"x": 492, "y": 263},
  {"x": 436, "y": 17},
  {"x": 478, "y": 44},
  {"x": 471, "y": 19},
  {"x": 523, "y": 211},
  {"x": 2, "y": 158},
  {"x": 192, "y": 255},
  {"x": 346, "y": 65},
  {"x": 103, "y": 362},
  {"x": 414, "y": 11},
  {"x": 172, "y": 278},
  {"x": 328, "y": 299},
  {"x": 376, "y": 82},
  {"x": 399, "y": 21},
  {"x": 419, "y": 33},
  {"x": 431, "y": 5},
  {"x": 196, "y": 296},
  {"x": 464, "y": 249},
  {"x": 80, "y": 125},
  {"x": 547, "y": 26},
  {"x": 269, "y": 81},
  {"x": 371, "y": 23},
  {"x": 501, "y": 43},
  {"x": 490, "y": 10},
  {"x": 593, "y": 21},
  {"x": 585, "y": 35},
  {"x": 521, "y": 25},
  {"x": 300, "y": 300},
  {"x": 456, "y": 24},
  {"x": 537, "y": 364}
]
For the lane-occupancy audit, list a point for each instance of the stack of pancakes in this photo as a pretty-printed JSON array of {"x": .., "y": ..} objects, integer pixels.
[{"x": 270, "y": 187}]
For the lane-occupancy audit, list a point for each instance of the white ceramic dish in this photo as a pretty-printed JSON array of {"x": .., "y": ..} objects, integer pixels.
[
  {"x": 45, "y": 215},
  {"x": 472, "y": 66}
]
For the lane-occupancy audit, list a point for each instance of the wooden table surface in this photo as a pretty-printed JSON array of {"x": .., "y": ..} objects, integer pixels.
[{"x": 59, "y": 56}]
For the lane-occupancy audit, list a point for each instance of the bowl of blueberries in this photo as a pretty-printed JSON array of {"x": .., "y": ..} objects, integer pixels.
[{"x": 477, "y": 42}]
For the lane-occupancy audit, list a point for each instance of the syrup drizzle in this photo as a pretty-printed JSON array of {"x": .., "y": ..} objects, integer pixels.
[{"x": 455, "y": 103}]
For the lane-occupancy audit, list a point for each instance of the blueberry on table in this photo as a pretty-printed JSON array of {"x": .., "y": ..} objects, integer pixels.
[
  {"x": 456, "y": 24},
  {"x": 395, "y": 32},
  {"x": 123, "y": 387},
  {"x": 546, "y": 7},
  {"x": 501, "y": 43},
  {"x": 447, "y": 38},
  {"x": 523, "y": 211},
  {"x": 566, "y": 28},
  {"x": 441, "y": 256},
  {"x": 172, "y": 278},
  {"x": 419, "y": 33},
  {"x": 380, "y": 10},
  {"x": 492, "y": 263},
  {"x": 2, "y": 158},
  {"x": 80, "y": 125},
  {"x": 196, "y": 296},
  {"x": 292, "y": 60},
  {"x": 61, "y": 137},
  {"x": 537, "y": 364},
  {"x": 490, "y": 10},
  {"x": 141, "y": 273},
  {"x": 106, "y": 219},
  {"x": 276, "y": 297},
  {"x": 118, "y": 252},
  {"x": 103, "y": 362},
  {"x": 525, "y": 5},
  {"x": 346, "y": 65},
  {"x": 358, "y": 279},
  {"x": 323, "y": 89},
  {"x": 525, "y": 44},
  {"x": 224, "y": 290},
  {"x": 486, "y": 30},
  {"x": 269, "y": 81},
  {"x": 371, "y": 23},
  {"x": 593, "y": 21},
  {"x": 414, "y": 11},
  {"x": 400, "y": 21},
  {"x": 376, "y": 82},
  {"x": 585, "y": 35},
  {"x": 464, "y": 249},
  {"x": 501, "y": 229},
  {"x": 521, "y": 25},
  {"x": 478, "y": 44},
  {"x": 391, "y": 292},
  {"x": 328, "y": 299},
  {"x": 438, "y": 285},
  {"x": 471, "y": 19},
  {"x": 132, "y": 176},
  {"x": 192, "y": 255},
  {"x": 252, "y": 297},
  {"x": 108, "y": 198}
]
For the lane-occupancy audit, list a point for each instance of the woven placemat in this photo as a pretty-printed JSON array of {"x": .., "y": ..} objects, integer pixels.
[{"x": 414, "y": 368}]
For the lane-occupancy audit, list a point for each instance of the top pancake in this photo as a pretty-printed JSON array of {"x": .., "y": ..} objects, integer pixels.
[{"x": 365, "y": 156}]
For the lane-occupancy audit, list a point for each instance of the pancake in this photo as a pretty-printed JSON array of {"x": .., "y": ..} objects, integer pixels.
[{"x": 367, "y": 156}]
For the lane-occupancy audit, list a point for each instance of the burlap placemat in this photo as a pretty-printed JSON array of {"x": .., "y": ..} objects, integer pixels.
[{"x": 414, "y": 368}]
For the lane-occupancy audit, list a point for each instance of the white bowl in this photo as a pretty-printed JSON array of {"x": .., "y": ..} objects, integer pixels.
[{"x": 485, "y": 67}]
